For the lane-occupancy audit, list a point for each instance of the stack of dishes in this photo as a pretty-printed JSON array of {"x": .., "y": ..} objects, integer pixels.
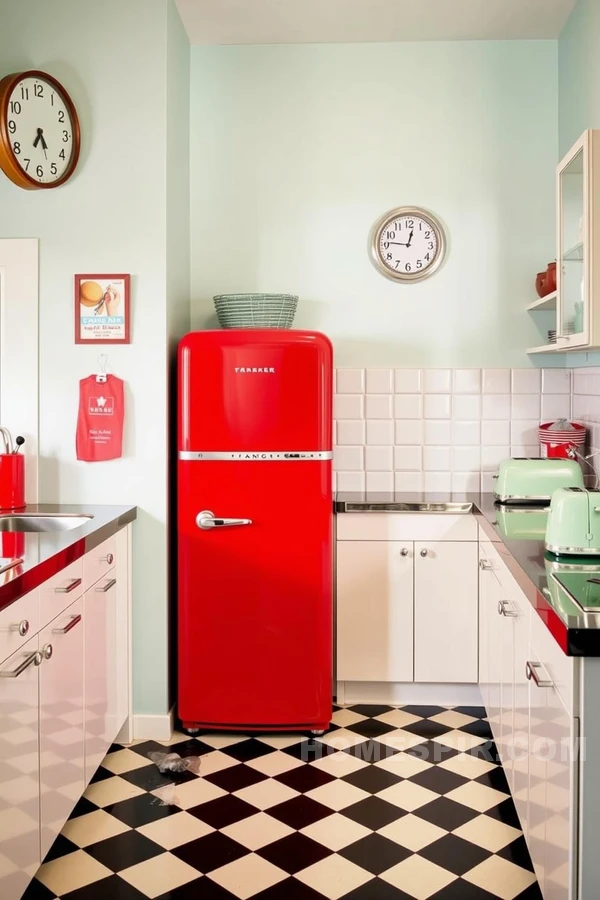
[{"x": 552, "y": 336}]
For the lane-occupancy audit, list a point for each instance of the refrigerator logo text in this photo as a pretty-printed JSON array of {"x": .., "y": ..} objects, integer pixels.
[{"x": 254, "y": 370}]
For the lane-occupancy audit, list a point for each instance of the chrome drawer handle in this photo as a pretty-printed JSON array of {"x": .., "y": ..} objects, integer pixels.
[
  {"x": 75, "y": 620},
  {"x": 404, "y": 551},
  {"x": 532, "y": 675},
  {"x": 47, "y": 651},
  {"x": 485, "y": 564},
  {"x": 110, "y": 583},
  {"x": 22, "y": 627},
  {"x": 109, "y": 558},
  {"x": 505, "y": 610},
  {"x": 424, "y": 552},
  {"x": 206, "y": 521},
  {"x": 73, "y": 583},
  {"x": 30, "y": 660}
]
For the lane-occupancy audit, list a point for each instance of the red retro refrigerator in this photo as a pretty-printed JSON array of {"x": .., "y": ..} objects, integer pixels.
[{"x": 255, "y": 510}]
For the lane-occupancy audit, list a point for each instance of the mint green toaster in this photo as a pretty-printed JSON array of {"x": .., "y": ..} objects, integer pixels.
[
  {"x": 574, "y": 523},
  {"x": 535, "y": 480}
]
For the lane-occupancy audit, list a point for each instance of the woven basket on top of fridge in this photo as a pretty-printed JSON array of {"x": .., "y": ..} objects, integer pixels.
[{"x": 256, "y": 310}]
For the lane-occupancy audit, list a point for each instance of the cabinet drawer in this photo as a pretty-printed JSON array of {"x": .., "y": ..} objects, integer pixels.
[
  {"x": 403, "y": 527},
  {"x": 559, "y": 667},
  {"x": 18, "y": 622},
  {"x": 60, "y": 591},
  {"x": 512, "y": 592},
  {"x": 97, "y": 562}
]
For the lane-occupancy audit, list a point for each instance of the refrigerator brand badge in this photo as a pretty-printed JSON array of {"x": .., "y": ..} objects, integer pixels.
[
  {"x": 102, "y": 406},
  {"x": 254, "y": 370}
]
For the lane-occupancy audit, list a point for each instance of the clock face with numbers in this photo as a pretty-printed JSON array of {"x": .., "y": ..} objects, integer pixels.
[
  {"x": 39, "y": 131},
  {"x": 407, "y": 244}
]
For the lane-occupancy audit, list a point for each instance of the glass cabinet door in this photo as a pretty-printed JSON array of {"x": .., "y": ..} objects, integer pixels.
[{"x": 572, "y": 286}]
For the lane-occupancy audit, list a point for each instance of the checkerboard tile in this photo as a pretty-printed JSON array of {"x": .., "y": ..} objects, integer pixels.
[{"x": 402, "y": 803}]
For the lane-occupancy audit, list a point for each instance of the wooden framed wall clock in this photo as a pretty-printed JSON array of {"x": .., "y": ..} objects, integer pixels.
[
  {"x": 407, "y": 244},
  {"x": 39, "y": 131}
]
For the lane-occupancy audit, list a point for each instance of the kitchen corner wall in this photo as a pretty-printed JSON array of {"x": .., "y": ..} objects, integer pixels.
[
  {"x": 298, "y": 149},
  {"x": 122, "y": 62},
  {"x": 445, "y": 429}
]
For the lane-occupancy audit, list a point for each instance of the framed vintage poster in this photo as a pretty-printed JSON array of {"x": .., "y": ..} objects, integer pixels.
[{"x": 102, "y": 309}]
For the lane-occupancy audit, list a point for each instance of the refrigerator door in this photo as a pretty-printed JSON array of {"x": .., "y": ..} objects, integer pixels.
[
  {"x": 255, "y": 613},
  {"x": 255, "y": 390}
]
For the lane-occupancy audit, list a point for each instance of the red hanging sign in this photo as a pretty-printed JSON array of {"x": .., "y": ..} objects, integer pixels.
[{"x": 100, "y": 419}]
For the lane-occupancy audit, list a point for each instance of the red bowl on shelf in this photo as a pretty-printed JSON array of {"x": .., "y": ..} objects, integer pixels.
[{"x": 545, "y": 282}]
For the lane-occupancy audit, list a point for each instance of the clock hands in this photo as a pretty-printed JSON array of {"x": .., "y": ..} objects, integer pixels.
[
  {"x": 40, "y": 137},
  {"x": 398, "y": 243},
  {"x": 410, "y": 237}
]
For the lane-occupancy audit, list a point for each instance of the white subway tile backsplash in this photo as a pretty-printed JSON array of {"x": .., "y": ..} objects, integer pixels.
[
  {"x": 556, "y": 381},
  {"x": 437, "y": 381},
  {"x": 409, "y": 431},
  {"x": 525, "y": 406},
  {"x": 528, "y": 451},
  {"x": 495, "y": 406},
  {"x": 488, "y": 483},
  {"x": 349, "y": 459},
  {"x": 465, "y": 482},
  {"x": 350, "y": 381},
  {"x": 379, "y": 459},
  {"x": 466, "y": 459},
  {"x": 495, "y": 432},
  {"x": 408, "y": 459},
  {"x": 350, "y": 481},
  {"x": 379, "y": 406},
  {"x": 464, "y": 433},
  {"x": 496, "y": 381},
  {"x": 437, "y": 482},
  {"x": 437, "y": 459},
  {"x": 526, "y": 381},
  {"x": 380, "y": 482},
  {"x": 408, "y": 406},
  {"x": 491, "y": 457},
  {"x": 408, "y": 482},
  {"x": 437, "y": 431},
  {"x": 555, "y": 406},
  {"x": 437, "y": 406},
  {"x": 466, "y": 407},
  {"x": 351, "y": 431},
  {"x": 348, "y": 406},
  {"x": 408, "y": 381},
  {"x": 524, "y": 432},
  {"x": 380, "y": 431},
  {"x": 380, "y": 381},
  {"x": 466, "y": 381}
]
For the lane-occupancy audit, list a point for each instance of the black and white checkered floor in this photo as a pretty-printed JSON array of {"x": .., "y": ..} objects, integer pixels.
[{"x": 391, "y": 804}]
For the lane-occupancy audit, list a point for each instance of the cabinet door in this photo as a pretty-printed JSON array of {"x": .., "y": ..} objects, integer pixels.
[
  {"x": 446, "y": 614},
  {"x": 374, "y": 611},
  {"x": 100, "y": 679},
  {"x": 491, "y": 595},
  {"x": 507, "y": 614},
  {"x": 19, "y": 770},
  {"x": 520, "y": 740},
  {"x": 552, "y": 779},
  {"x": 62, "y": 761},
  {"x": 485, "y": 575}
]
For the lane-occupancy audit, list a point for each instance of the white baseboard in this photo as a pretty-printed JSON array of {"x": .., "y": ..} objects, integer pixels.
[
  {"x": 403, "y": 694},
  {"x": 153, "y": 728}
]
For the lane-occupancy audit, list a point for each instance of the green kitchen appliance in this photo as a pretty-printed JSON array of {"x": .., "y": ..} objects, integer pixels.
[
  {"x": 535, "y": 480},
  {"x": 522, "y": 523},
  {"x": 574, "y": 523}
]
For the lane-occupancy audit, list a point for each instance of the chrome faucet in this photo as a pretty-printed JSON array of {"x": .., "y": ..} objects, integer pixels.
[{"x": 8, "y": 444}]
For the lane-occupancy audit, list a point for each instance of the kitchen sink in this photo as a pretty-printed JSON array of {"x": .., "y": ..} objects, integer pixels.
[
  {"x": 41, "y": 522},
  {"x": 409, "y": 507}
]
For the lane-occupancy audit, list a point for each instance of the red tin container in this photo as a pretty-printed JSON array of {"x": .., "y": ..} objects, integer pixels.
[{"x": 12, "y": 481}]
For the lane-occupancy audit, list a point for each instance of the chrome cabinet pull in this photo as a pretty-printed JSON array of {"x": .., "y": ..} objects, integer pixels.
[
  {"x": 22, "y": 627},
  {"x": 404, "y": 552},
  {"x": 206, "y": 520},
  {"x": 30, "y": 660},
  {"x": 504, "y": 609},
  {"x": 424, "y": 552},
  {"x": 532, "y": 675},
  {"x": 73, "y": 583},
  {"x": 109, "y": 558},
  {"x": 75, "y": 620},
  {"x": 47, "y": 651},
  {"x": 485, "y": 564},
  {"x": 110, "y": 583}
]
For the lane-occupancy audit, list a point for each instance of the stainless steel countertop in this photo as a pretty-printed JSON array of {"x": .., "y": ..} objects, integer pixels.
[{"x": 46, "y": 553}]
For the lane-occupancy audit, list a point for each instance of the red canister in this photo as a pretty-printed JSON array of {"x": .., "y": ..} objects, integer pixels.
[
  {"x": 12, "y": 481},
  {"x": 559, "y": 444}
]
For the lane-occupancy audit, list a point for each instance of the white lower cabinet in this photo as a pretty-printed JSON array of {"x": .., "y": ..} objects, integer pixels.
[
  {"x": 19, "y": 770},
  {"x": 375, "y": 611},
  {"x": 62, "y": 753},
  {"x": 100, "y": 678},
  {"x": 446, "y": 647}
]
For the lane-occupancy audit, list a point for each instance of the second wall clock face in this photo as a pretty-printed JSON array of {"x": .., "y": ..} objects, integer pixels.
[
  {"x": 39, "y": 130},
  {"x": 407, "y": 244}
]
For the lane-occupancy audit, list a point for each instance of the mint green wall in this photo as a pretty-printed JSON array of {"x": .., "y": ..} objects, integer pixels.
[
  {"x": 111, "y": 217},
  {"x": 297, "y": 149}
]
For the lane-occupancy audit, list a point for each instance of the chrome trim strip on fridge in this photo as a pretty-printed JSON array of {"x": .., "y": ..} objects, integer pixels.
[{"x": 255, "y": 455}]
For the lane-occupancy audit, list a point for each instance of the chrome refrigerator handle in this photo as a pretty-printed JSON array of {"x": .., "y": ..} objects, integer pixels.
[{"x": 206, "y": 520}]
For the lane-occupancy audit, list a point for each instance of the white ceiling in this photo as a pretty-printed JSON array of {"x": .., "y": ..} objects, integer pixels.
[{"x": 340, "y": 21}]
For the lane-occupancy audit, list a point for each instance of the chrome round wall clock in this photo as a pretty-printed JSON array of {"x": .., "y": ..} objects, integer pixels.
[{"x": 407, "y": 244}]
